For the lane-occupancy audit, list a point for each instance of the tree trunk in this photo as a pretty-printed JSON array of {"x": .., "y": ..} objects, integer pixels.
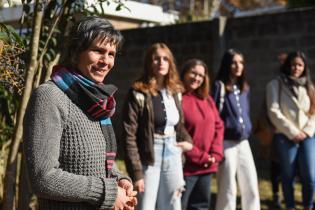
[
  {"x": 38, "y": 76},
  {"x": 50, "y": 67},
  {"x": 191, "y": 6},
  {"x": 206, "y": 8},
  {"x": 10, "y": 176},
  {"x": 24, "y": 191}
]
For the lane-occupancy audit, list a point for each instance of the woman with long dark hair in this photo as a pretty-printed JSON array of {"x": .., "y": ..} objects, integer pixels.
[
  {"x": 291, "y": 109},
  {"x": 231, "y": 93}
]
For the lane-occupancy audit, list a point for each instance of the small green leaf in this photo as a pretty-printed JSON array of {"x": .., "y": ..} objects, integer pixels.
[
  {"x": 48, "y": 57},
  {"x": 118, "y": 8},
  {"x": 51, "y": 52},
  {"x": 45, "y": 28},
  {"x": 41, "y": 43},
  {"x": 54, "y": 41}
]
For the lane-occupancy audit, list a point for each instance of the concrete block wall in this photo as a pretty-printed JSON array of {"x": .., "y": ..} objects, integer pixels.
[
  {"x": 260, "y": 38},
  {"x": 185, "y": 41}
]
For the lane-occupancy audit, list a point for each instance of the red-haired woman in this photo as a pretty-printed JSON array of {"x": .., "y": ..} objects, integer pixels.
[{"x": 153, "y": 124}]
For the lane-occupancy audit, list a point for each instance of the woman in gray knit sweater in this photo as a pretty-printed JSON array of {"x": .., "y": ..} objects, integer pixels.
[{"x": 69, "y": 143}]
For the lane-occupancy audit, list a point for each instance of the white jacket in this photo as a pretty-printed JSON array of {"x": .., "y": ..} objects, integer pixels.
[{"x": 287, "y": 113}]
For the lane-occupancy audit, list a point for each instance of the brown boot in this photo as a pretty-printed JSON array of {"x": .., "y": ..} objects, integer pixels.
[{"x": 308, "y": 208}]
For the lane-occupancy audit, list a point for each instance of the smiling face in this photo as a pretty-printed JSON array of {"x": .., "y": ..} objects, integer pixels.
[
  {"x": 237, "y": 66},
  {"x": 160, "y": 63},
  {"x": 96, "y": 61},
  {"x": 194, "y": 78},
  {"x": 297, "y": 67}
]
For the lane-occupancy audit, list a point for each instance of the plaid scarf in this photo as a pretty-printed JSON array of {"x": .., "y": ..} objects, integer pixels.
[{"x": 95, "y": 99}]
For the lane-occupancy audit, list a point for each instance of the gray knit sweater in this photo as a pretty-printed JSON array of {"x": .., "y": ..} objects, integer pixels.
[{"x": 65, "y": 154}]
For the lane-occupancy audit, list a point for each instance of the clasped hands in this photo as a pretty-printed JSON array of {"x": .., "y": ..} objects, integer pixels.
[
  {"x": 126, "y": 197},
  {"x": 300, "y": 137}
]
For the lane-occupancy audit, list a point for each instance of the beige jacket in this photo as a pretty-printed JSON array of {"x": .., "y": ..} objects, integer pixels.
[{"x": 291, "y": 115}]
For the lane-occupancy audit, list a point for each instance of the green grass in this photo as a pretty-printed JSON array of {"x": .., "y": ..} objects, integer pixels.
[
  {"x": 264, "y": 189},
  {"x": 266, "y": 195}
]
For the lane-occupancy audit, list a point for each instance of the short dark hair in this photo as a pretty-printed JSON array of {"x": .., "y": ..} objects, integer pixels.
[{"x": 84, "y": 32}]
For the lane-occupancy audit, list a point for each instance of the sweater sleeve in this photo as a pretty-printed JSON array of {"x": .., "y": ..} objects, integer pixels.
[
  {"x": 43, "y": 125},
  {"x": 131, "y": 113},
  {"x": 275, "y": 114},
  {"x": 201, "y": 157},
  {"x": 198, "y": 156},
  {"x": 309, "y": 128}
]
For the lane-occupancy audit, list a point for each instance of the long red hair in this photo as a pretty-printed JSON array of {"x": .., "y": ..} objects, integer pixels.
[{"x": 147, "y": 82}]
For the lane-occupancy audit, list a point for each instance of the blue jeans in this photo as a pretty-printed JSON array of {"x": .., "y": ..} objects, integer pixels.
[
  {"x": 164, "y": 181},
  {"x": 197, "y": 194},
  {"x": 290, "y": 156}
]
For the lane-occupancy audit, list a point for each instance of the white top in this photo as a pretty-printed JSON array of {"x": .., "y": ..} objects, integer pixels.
[{"x": 172, "y": 115}]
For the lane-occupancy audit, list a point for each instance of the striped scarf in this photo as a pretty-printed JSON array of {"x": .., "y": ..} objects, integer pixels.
[{"x": 95, "y": 99}]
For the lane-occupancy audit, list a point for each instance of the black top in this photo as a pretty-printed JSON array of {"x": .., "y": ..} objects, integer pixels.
[{"x": 159, "y": 113}]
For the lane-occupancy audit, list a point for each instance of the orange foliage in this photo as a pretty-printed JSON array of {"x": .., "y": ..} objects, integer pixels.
[{"x": 253, "y": 4}]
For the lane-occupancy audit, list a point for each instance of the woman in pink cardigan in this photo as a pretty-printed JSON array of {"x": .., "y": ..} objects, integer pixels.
[{"x": 205, "y": 126}]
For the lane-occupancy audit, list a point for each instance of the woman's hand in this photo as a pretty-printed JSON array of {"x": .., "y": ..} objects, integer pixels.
[
  {"x": 131, "y": 203},
  {"x": 121, "y": 200},
  {"x": 139, "y": 185},
  {"x": 185, "y": 146},
  {"x": 127, "y": 185},
  {"x": 300, "y": 137},
  {"x": 211, "y": 159}
]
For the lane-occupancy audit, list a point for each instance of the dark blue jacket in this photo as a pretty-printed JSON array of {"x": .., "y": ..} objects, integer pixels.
[{"x": 230, "y": 113}]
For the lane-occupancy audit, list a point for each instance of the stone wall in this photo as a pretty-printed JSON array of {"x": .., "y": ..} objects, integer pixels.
[{"x": 260, "y": 38}]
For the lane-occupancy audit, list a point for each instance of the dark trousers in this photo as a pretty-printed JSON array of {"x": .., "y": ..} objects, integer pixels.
[
  {"x": 198, "y": 193},
  {"x": 275, "y": 176}
]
